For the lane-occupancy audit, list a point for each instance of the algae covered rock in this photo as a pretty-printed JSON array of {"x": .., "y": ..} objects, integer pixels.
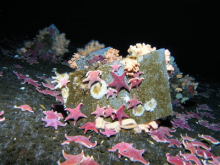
[{"x": 146, "y": 95}]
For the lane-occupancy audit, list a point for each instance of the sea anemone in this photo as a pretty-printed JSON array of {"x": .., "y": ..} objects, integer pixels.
[
  {"x": 139, "y": 111},
  {"x": 98, "y": 90},
  {"x": 150, "y": 105}
]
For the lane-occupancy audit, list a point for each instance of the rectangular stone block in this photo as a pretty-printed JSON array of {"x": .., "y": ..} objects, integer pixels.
[{"x": 153, "y": 91}]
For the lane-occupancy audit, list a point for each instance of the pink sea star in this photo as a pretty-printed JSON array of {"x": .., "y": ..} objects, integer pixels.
[
  {"x": 1, "y": 113},
  {"x": 182, "y": 124},
  {"x": 209, "y": 138},
  {"x": 98, "y": 112},
  {"x": 52, "y": 118},
  {"x": 111, "y": 92},
  {"x": 120, "y": 114},
  {"x": 191, "y": 157},
  {"x": 133, "y": 103},
  {"x": 159, "y": 136},
  {"x": 93, "y": 76},
  {"x": 135, "y": 82},
  {"x": 115, "y": 67},
  {"x": 20, "y": 76},
  {"x": 175, "y": 159},
  {"x": 89, "y": 126},
  {"x": 80, "y": 139},
  {"x": 204, "y": 107},
  {"x": 108, "y": 132},
  {"x": 118, "y": 82},
  {"x": 32, "y": 82},
  {"x": 174, "y": 142},
  {"x": 109, "y": 112},
  {"x": 25, "y": 108},
  {"x": 52, "y": 115},
  {"x": 75, "y": 113},
  {"x": 122, "y": 146},
  {"x": 53, "y": 122},
  {"x": 50, "y": 86},
  {"x": 72, "y": 159},
  {"x": 63, "y": 82},
  {"x": 135, "y": 155}
]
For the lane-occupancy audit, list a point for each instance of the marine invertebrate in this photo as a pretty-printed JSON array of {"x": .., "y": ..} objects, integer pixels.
[
  {"x": 115, "y": 67},
  {"x": 90, "y": 47},
  {"x": 133, "y": 103},
  {"x": 81, "y": 140},
  {"x": 75, "y": 113},
  {"x": 126, "y": 124},
  {"x": 150, "y": 105},
  {"x": 61, "y": 79},
  {"x": 49, "y": 44},
  {"x": 112, "y": 55},
  {"x": 131, "y": 66},
  {"x": 53, "y": 119},
  {"x": 60, "y": 45},
  {"x": 139, "y": 110},
  {"x": 110, "y": 93},
  {"x": 118, "y": 82},
  {"x": 140, "y": 49},
  {"x": 89, "y": 126},
  {"x": 92, "y": 77},
  {"x": 24, "y": 107},
  {"x": 146, "y": 127},
  {"x": 98, "y": 90},
  {"x": 170, "y": 68},
  {"x": 135, "y": 82},
  {"x": 1, "y": 113},
  {"x": 72, "y": 62}
]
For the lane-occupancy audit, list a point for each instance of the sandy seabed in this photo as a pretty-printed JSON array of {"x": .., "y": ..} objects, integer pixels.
[{"x": 24, "y": 139}]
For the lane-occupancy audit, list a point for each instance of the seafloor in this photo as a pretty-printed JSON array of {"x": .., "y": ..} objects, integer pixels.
[{"x": 24, "y": 139}]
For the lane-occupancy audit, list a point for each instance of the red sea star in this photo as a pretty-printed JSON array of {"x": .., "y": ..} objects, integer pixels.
[
  {"x": 174, "y": 142},
  {"x": 111, "y": 92},
  {"x": 25, "y": 108},
  {"x": 159, "y": 136},
  {"x": 50, "y": 86},
  {"x": 32, "y": 82},
  {"x": 120, "y": 114},
  {"x": 109, "y": 112},
  {"x": 189, "y": 146},
  {"x": 135, "y": 82},
  {"x": 115, "y": 67},
  {"x": 134, "y": 155},
  {"x": 72, "y": 159},
  {"x": 133, "y": 103},
  {"x": 53, "y": 122},
  {"x": 1, "y": 113},
  {"x": 63, "y": 83},
  {"x": 89, "y": 126},
  {"x": 20, "y": 76},
  {"x": 52, "y": 118},
  {"x": 92, "y": 76},
  {"x": 118, "y": 82},
  {"x": 75, "y": 113},
  {"x": 98, "y": 112},
  {"x": 121, "y": 147},
  {"x": 191, "y": 157},
  {"x": 204, "y": 107},
  {"x": 175, "y": 159},
  {"x": 209, "y": 138},
  {"x": 108, "y": 132},
  {"x": 52, "y": 115},
  {"x": 80, "y": 139},
  {"x": 182, "y": 124}
]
